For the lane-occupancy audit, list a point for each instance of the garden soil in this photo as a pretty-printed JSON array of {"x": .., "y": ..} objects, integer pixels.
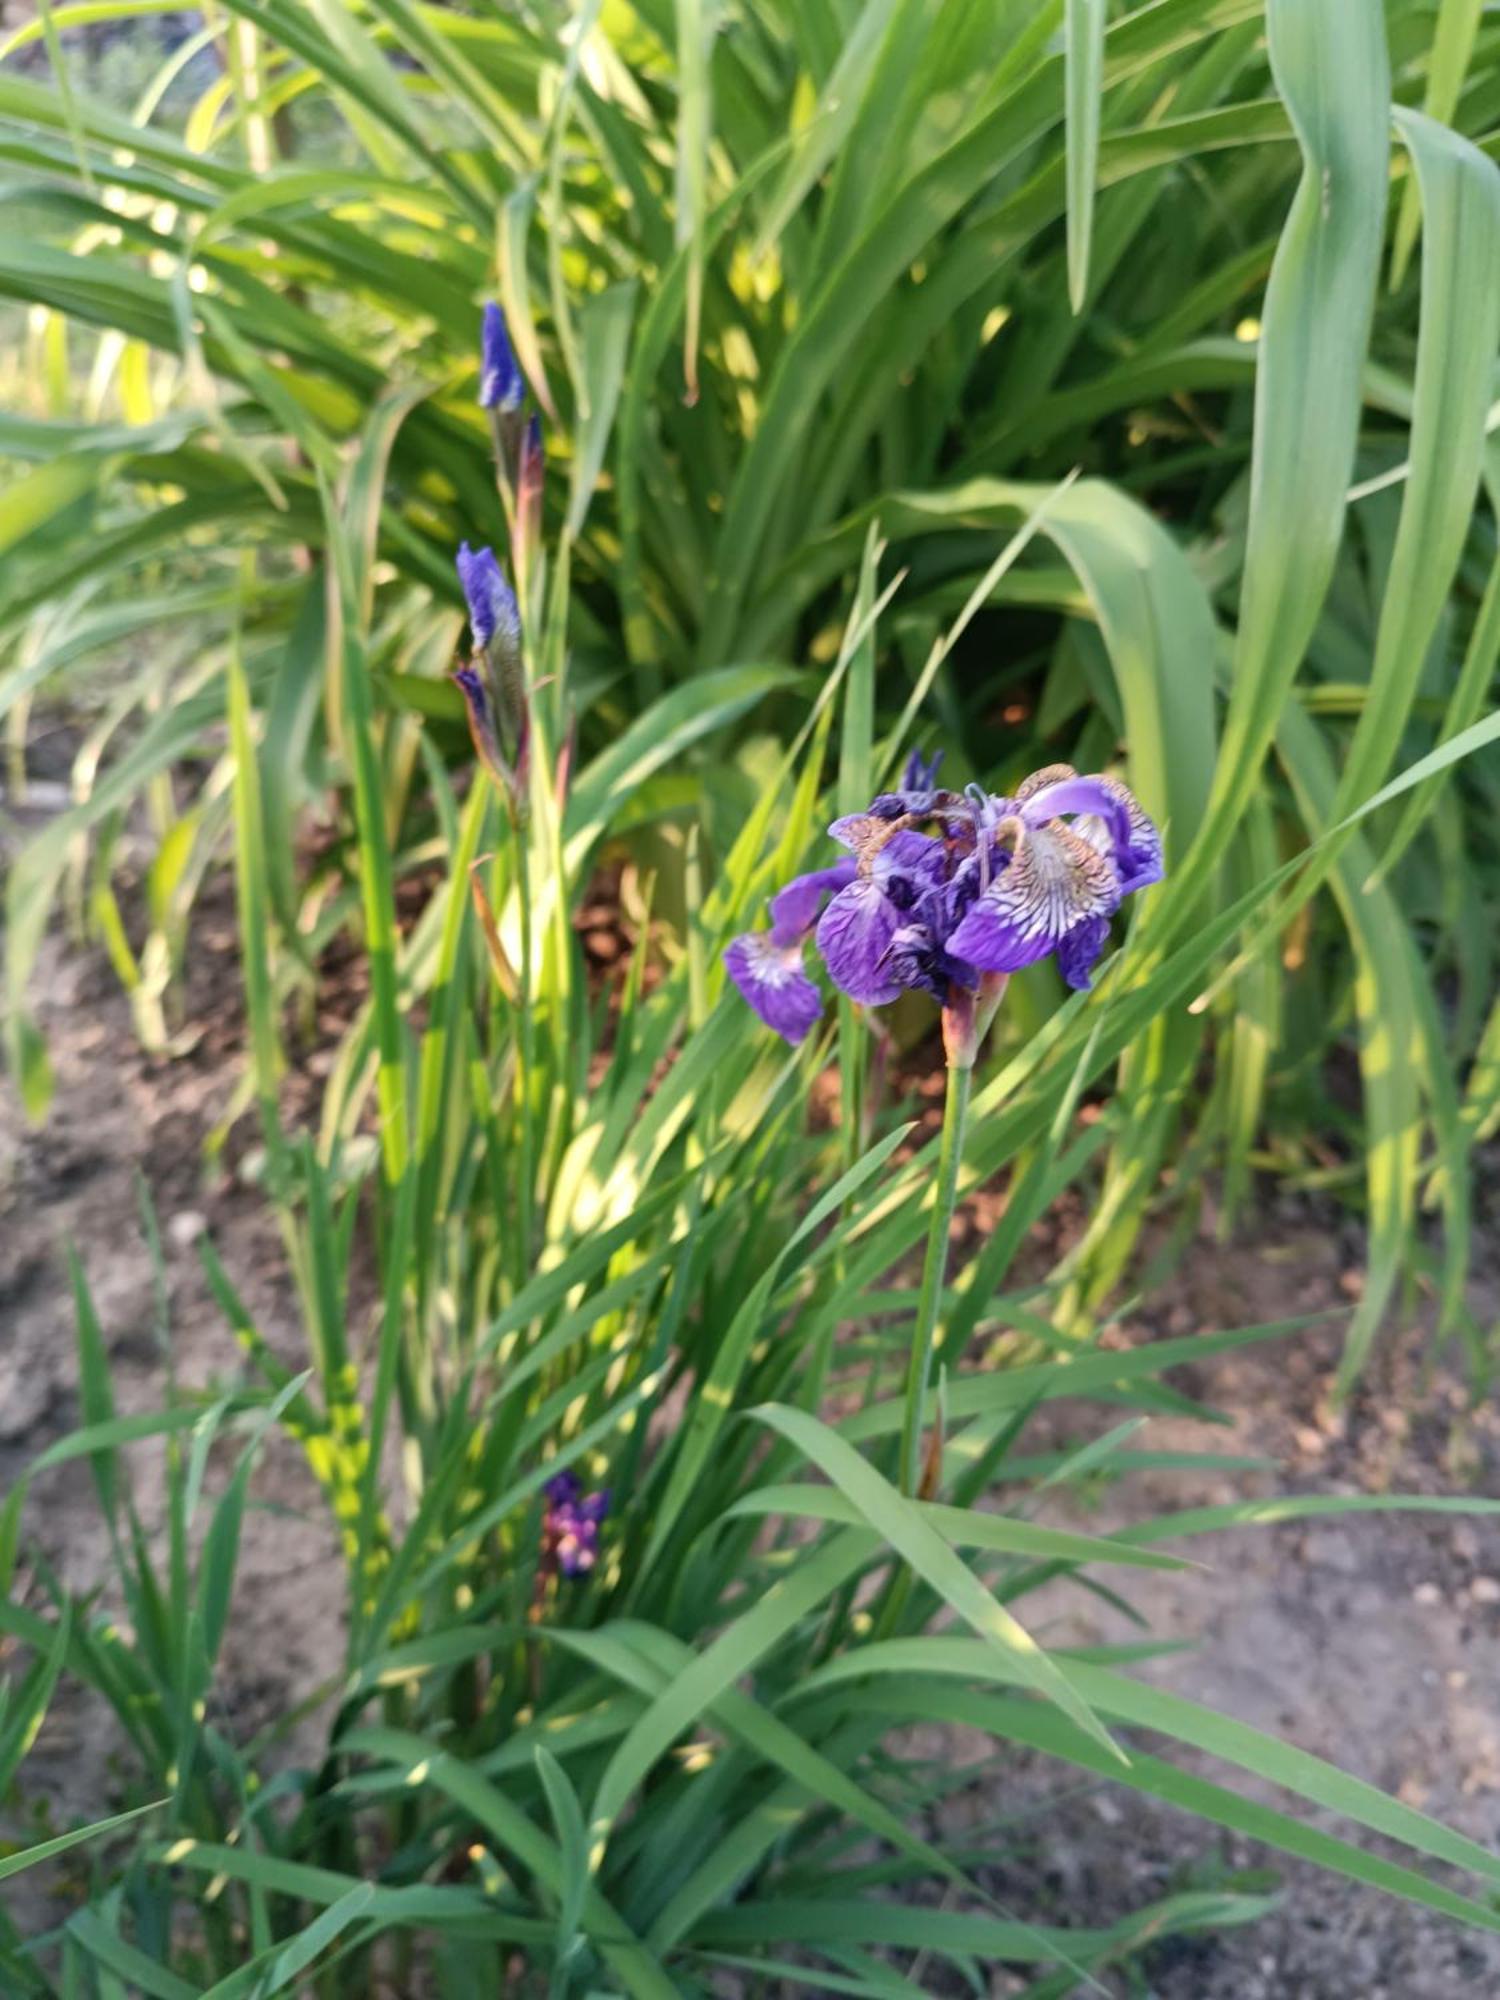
[{"x": 1372, "y": 1641}]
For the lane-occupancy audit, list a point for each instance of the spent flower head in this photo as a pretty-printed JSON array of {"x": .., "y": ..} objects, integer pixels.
[{"x": 949, "y": 893}]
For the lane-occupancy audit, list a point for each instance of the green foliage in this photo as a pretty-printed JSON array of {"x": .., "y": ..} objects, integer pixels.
[
  {"x": 799, "y": 289},
  {"x": 871, "y": 308}
]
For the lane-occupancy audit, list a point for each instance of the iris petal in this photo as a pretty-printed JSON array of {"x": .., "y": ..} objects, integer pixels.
[
  {"x": 865, "y": 833},
  {"x": 794, "y": 909},
  {"x": 1132, "y": 840},
  {"x": 918, "y": 959},
  {"x": 1078, "y": 949},
  {"x": 919, "y": 856},
  {"x": 1054, "y": 881},
  {"x": 1138, "y": 857},
  {"x": 921, "y": 772},
  {"x": 854, "y": 936},
  {"x": 470, "y": 683},
  {"x": 1043, "y": 781},
  {"x": 774, "y": 981}
]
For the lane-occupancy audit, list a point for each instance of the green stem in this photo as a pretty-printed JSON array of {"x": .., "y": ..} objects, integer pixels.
[
  {"x": 526, "y": 1057},
  {"x": 852, "y": 1044},
  {"x": 934, "y": 1270}
]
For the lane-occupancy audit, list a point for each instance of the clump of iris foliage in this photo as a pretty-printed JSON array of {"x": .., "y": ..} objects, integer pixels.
[{"x": 674, "y": 1473}]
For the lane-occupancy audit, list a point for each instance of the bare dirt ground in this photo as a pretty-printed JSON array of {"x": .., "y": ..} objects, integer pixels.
[
  {"x": 1369, "y": 1640},
  {"x": 1372, "y": 1641},
  {"x": 120, "y": 1120}
]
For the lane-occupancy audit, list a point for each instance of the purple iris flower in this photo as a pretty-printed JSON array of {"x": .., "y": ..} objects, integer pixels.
[
  {"x": 570, "y": 1526},
  {"x": 502, "y": 386},
  {"x": 943, "y": 892},
  {"x": 1060, "y": 858},
  {"x": 900, "y": 876}
]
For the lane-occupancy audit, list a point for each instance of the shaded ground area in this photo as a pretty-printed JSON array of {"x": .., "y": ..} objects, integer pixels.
[{"x": 1371, "y": 1641}]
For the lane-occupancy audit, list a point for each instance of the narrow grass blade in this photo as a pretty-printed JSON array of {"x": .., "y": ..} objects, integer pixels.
[
  {"x": 910, "y": 1531},
  {"x": 1084, "y": 48},
  {"x": 45, "y": 1850}
]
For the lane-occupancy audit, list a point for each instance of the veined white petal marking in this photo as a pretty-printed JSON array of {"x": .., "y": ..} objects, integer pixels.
[{"x": 1055, "y": 879}]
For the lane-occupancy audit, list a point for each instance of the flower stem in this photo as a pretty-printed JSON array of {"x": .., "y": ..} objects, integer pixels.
[
  {"x": 525, "y": 1060},
  {"x": 934, "y": 1270}
]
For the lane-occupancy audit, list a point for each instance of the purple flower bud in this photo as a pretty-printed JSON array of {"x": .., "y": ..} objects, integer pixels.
[
  {"x": 494, "y": 617},
  {"x": 501, "y": 383},
  {"x": 481, "y": 713},
  {"x": 530, "y": 476},
  {"x": 921, "y": 773}
]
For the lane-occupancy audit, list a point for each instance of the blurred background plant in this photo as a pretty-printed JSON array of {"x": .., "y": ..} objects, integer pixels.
[{"x": 1042, "y": 382}]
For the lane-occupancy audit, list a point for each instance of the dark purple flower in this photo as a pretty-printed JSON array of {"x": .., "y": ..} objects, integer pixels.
[
  {"x": 898, "y": 889},
  {"x": 502, "y": 386},
  {"x": 1063, "y": 855},
  {"x": 578, "y": 1549},
  {"x": 946, "y": 894}
]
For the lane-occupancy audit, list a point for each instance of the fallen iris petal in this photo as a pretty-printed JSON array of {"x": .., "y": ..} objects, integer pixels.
[
  {"x": 773, "y": 979},
  {"x": 854, "y": 936}
]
